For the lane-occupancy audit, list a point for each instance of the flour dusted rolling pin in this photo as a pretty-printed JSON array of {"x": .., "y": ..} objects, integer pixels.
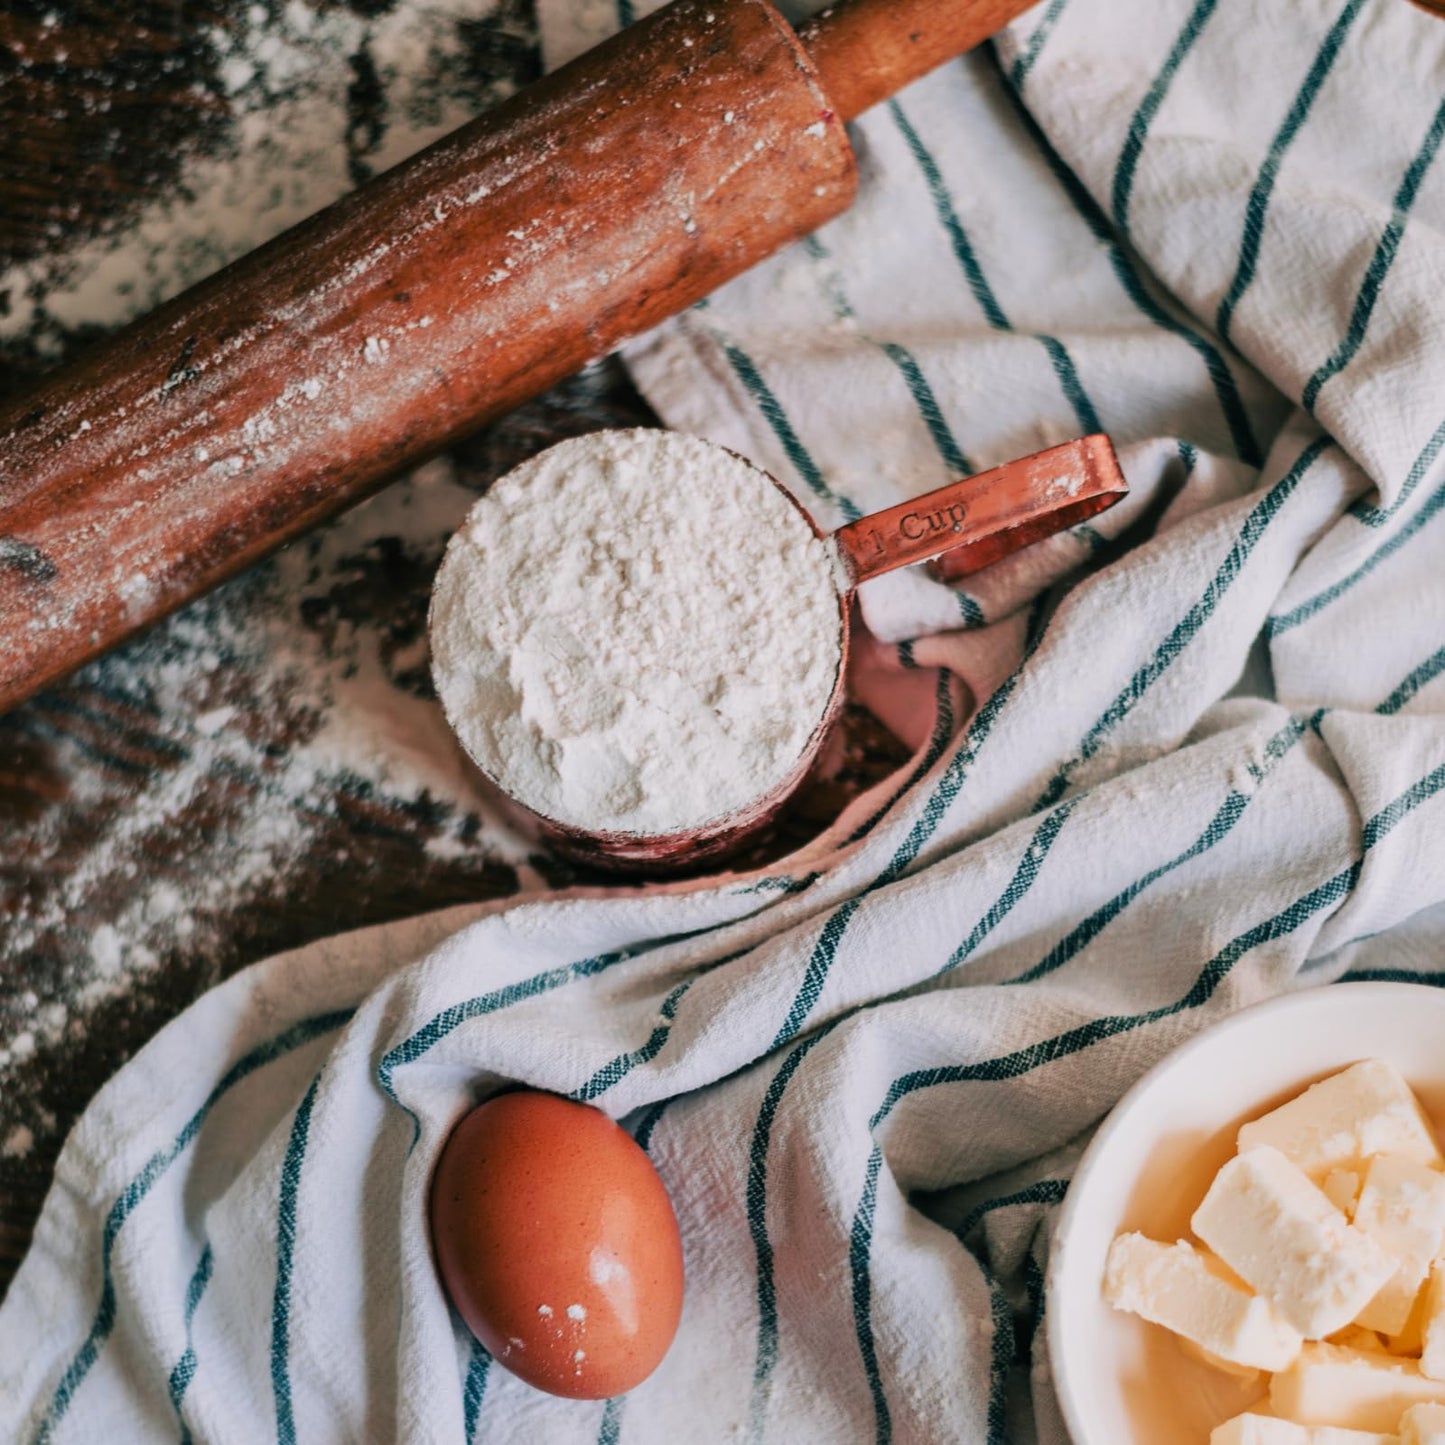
[{"x": 591, "y": 206}]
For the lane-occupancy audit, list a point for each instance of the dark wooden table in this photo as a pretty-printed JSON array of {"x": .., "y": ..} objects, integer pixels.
[{"x": 269, "y": 767}]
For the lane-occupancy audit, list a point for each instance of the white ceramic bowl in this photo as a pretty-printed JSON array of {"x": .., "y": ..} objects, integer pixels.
[{"x": 1121, "y": 1381}]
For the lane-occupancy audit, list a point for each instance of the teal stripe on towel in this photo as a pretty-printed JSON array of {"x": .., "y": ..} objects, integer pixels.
[
  {"x": 1044, "y": 1191},
  {"x": 611, "y": 1427},
  {"x": 1138, "y": 133},
  {"x": 474, "y": 1388},
  {"x": 983, "y": 293},
  {"x": 1000, "y": 1357},
  {"x": 185, "y": 1368},
  {"x": 1259, "y": 197},
  {"x": 757, "y": 1215},
  {"x": 922, "y": 393},
  {"x": 1373, "y": 516},
  {"x": 1393, "y": 975},
  {"x": 928, "y": 407},
  {"x": 449, "y": 1019},
  {"x": 1024, "y": 877},
  {"x": 1287, "y": 621},
  {"x": 1189, "y": 626},
  {"x": 773, "y": 413},
  {"x": 285, "y": 1261},
  {"x": 617, "y": 1069},
  {"x": 1029, "y": 56},
  {"x": 1380, "y": 263},
  {"x": 924, "y": 398},
  {"x": 1403, "y": 695}
]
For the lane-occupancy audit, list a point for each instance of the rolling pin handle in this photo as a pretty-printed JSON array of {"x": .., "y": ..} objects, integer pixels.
[{"x": 865, "y": 50}]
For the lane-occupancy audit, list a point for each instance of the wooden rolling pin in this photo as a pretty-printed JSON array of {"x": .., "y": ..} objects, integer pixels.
[{"x": 590, "y": 207}]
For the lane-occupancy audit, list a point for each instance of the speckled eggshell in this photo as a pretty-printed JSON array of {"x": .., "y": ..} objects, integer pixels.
[{"x": 557, "y": 1244}]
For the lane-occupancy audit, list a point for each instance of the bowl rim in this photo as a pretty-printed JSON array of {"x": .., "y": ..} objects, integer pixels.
[{"x": 1062, "y": 1369}]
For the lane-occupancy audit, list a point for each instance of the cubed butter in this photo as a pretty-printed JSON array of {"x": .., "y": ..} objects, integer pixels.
[
  {"x": 1342, "y": 1189},
  {"x": 1432, "y": 1329},
  {"x": 1408, "y": 1341},
  {"x": 1266, "y": 1430},
  {"x": 1357, "y": 1338},
  {"x": 1423, "y": 1425},
  {"x": 1279, "y": 1234},
  {"x": 1367, "y": 1109},
  {"x": 1247, "y": 1375},
  {"x": 1353, "y": 1389},
  {"x": 1183, "y": 1289},
  {"x": 1402, "y": 1208}
]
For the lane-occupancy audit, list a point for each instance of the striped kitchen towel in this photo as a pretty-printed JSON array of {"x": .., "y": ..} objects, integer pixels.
[{"x": 1178, "y": 760}]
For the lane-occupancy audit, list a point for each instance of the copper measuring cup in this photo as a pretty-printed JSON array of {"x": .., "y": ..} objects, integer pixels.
[{"x": 960, "y": 528}]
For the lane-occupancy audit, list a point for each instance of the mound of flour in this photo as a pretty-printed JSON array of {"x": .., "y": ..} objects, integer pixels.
[{"x": 635, "y": 632}]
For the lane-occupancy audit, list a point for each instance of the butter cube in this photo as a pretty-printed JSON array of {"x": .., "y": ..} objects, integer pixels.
[
  {"x": 1368, "y": 1109},
  {"x": 1281, "y": 1236},
  {"x": 1423, "y": 1425},
  {"x": 1408, "y": 1341},
  {"x": 1247, "y": 1375},
  {"x": 1183, "y": 1289},
  {"x": 1266, "y": 1430},
  {"x": 1356, "y": 1338},
  {"x": 1432, "y": 1349},
  {"x": 1356, "y": 1389},
  {"x": 1342, "y": 1189},
  {"x": 1402, "y": 1208}
]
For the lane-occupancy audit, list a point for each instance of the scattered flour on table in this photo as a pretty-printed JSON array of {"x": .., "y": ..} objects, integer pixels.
[
  {"x": 171, "y": 756},
  {"x": 291, "y": 146},
  {"x": 360, "y": 732},
  {"x": 636, "y": 632}
]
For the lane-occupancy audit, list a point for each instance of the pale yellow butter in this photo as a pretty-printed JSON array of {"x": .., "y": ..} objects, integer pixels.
[
  {"x": 1183, "y": 1289},
  {"x": 1367, "y": 1109},
  {"x": 1280, "y": 1234},
  {"x": 1266, "y": 1430},
  {"x": 1423, "y": 1425},
  {"x": 1402, "y": 1208},
  {"x": 1432, "y": 1350},
  {"x": 1407, "y": 1341},
  {"x": 1356, "y": 1337},
  {"x": 1247, "y": 1375},
  {"x": 1354, "y": 1389},
  {"x": 1342, "y": 1189}
]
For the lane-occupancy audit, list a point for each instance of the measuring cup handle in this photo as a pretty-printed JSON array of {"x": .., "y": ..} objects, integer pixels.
[{"x": 974, "y": 522}]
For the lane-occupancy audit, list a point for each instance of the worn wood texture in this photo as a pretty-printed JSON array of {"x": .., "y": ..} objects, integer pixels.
[{"x": 155, "y": 835}]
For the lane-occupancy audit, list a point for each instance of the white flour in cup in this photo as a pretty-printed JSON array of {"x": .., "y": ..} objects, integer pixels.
[{"x": 636, "y": 632}]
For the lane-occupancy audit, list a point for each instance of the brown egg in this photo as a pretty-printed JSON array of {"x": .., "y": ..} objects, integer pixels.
[{"x": 557, "y": 1243}]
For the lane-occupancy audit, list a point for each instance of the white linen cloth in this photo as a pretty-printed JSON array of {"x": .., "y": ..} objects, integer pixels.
[{"x": 1204, "y": 770}]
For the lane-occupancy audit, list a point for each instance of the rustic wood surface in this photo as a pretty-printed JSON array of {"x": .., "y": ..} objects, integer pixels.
[{"x": 153, "y": 836}]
